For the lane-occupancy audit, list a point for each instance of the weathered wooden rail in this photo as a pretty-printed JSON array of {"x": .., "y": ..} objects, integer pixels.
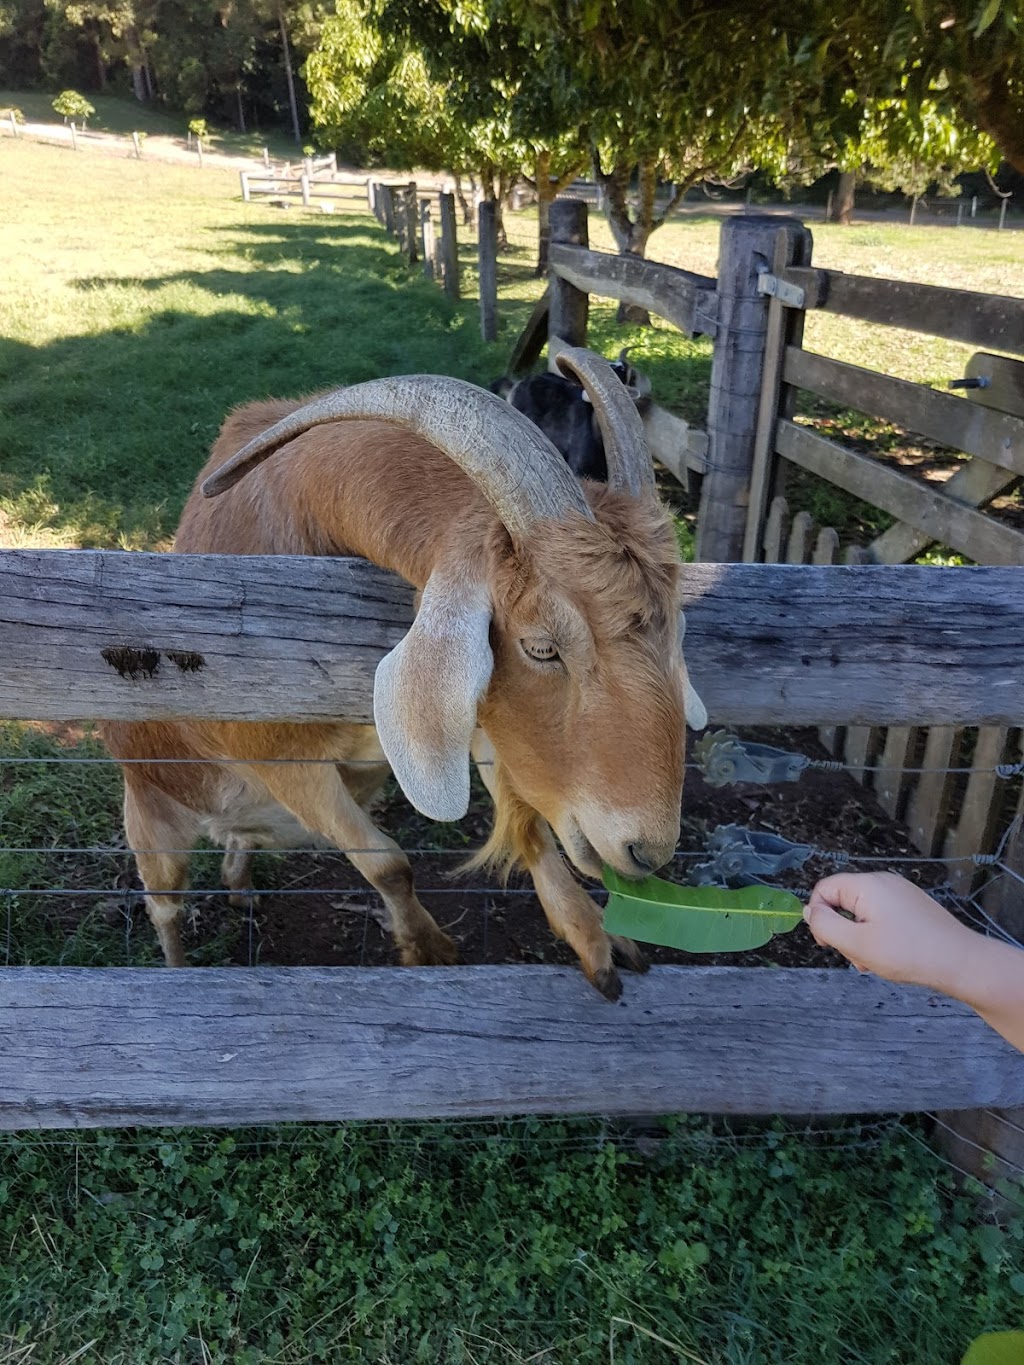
[
  {"x": 94, "y": 634},
  {"x": 118, "y": 1047},
  {"x": 91, "y": 634}
]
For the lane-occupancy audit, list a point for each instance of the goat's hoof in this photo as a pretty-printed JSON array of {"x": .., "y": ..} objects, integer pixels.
[
  {"x": 628, "y": 955},
  {"x": 432, "y": 950},
  {"x": 608, "y": 982}
]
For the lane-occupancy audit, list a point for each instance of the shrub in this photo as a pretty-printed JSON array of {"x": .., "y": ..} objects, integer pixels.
[{"x": 71, "y": 105}]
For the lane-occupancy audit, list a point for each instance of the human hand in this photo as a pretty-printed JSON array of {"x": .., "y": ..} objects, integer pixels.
[{"x": 897, "y": 931}]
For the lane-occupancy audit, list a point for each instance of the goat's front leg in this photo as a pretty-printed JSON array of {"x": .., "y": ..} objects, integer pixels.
[
  {"x": 571, "y": 914},
  {"x": 317, "y": 796}
]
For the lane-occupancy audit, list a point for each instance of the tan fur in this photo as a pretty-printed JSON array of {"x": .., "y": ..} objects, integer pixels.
[{"x": 592, "y": 748}]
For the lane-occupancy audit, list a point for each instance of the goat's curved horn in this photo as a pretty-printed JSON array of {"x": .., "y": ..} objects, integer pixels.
[
  {"x": 513, "y": 464},
  {"x": 629, "y": 464}
]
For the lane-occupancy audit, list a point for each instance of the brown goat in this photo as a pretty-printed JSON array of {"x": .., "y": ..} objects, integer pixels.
[{"x": 546, "y": 643}]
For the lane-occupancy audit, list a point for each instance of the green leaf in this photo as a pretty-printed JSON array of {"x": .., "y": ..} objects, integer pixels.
[
  {"x": 996, "y": 1348},
  {"x": 987, "y": 17},
  {"x": 698, "y": 919}
]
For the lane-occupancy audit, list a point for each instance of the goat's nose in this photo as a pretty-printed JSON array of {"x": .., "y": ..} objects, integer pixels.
[{"x": 648, "y": 857}]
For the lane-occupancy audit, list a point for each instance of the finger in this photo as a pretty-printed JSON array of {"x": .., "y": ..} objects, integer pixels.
[
  {"x": 831, "y": 930},
  {"x": 840, "y": 891}
]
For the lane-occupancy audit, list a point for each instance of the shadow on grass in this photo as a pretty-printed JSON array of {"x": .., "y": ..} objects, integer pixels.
[{"x": 104, "y": 433}]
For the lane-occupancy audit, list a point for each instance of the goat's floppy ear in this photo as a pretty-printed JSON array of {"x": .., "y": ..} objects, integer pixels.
[
  {"x": 696, "y": 711},
  {"x": 425, "y": 695}
]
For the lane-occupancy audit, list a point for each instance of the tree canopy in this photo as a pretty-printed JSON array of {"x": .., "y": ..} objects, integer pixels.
[{"x": 646, "y": 92}]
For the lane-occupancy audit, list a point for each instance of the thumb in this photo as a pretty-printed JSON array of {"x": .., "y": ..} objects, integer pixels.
[{"x": 830, "y": 929}]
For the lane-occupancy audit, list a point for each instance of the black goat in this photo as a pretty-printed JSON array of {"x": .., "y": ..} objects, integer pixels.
[{"x": 561, "y": 409}]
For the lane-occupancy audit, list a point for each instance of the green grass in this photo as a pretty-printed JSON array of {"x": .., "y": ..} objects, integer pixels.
[
  {"x": 544, "y": 1241},
  {"x": 139, "y": 302}
]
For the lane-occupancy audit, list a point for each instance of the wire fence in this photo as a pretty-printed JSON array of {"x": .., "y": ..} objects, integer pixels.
[{"x": 111, "y": 883}]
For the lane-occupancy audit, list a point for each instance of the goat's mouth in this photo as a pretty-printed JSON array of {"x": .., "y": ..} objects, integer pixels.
[
  {"x": 581, "y": 851},
  {"x": 635, "y": 860}
]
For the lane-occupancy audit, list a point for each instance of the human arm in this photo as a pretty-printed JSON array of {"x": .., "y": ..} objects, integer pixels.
[{"x": 899, "y": 932}]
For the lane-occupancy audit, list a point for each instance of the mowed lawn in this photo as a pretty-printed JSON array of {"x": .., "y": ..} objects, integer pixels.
[{"x": 138, "y": 303}]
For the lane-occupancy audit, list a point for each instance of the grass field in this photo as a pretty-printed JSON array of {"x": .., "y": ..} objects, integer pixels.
[{"x": 138, "y": 303}]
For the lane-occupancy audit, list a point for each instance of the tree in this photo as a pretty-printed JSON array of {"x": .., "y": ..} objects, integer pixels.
[{"x": 71, "y": 105}]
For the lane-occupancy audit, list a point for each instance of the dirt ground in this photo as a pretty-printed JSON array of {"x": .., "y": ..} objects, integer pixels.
[{"x": 315, "y": 910}]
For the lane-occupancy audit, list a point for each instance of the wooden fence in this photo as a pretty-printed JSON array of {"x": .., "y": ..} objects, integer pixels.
[
  {"x": 409, "y": 217},
  {"x": 944, "y": 812},
  {"x": 100, "y": 634},
  {"x": 754, "y": 314},
  {"x": 315, "y": 181}
]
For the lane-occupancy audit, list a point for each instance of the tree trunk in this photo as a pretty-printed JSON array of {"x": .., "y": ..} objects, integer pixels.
[
  {"x": 241, "y": 110},
  {"x": 492, "y": 194},
  {"x": 842, "y": 204},
  {"x": 101, "y": 69},
  {"x": 467, "y": 212},
  {"x": 292, "y": 103},
  {"x": 997, "y": 113},
  {"x": 631, "y": 235}
]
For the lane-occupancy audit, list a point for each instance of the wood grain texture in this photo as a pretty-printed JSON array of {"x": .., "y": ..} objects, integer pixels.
[
  {"x": 736, "y": 397},
  {"x": 92, "y": 1047},
  {"x": 989, "y": 320},
  {"x": 972, "y": 427},
  {"x": 569, "y": 308},
  {"x": 487, "y": 260},
  {"x": 673, "y": 294},
  {"x": 90, "y": 634},
  {"x": 941, "y": 517},
  {"x": 784, "y": 333},
  {"x": 449, "y": 245}
]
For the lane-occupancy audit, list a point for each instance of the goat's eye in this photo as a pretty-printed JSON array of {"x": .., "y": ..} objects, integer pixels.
[{"x": 541, "y": 651}]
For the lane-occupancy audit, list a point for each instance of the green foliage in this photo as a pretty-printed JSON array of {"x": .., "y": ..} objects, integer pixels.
[
  {"x": 71, "y": 105},
  {"x": 473, "y": 1243},
  {"x": 198, "y": 128},
  {"x": 698, "y": 919}
]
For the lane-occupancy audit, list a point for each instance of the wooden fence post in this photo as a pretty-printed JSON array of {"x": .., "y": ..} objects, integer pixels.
[
  {"x": 746, "y": 249},
  {"x": 793, "y": 244},
  {"x": 388, "y": 197},
  {"x": 304, "y": 184},
  {"x": 135, "y": 144},
  {"x": 427, "y": 238},
  {"x": 487, "y": 246},
  {"x": 14, "y": 123},
  {"x": 266, "y": 158},
  {"x": 243, "y": 177},
  {"x": 371, "y": 196},
  {"x": 449, "y": 246},
  {"x": 409, "y": 198},
  {"x": 567, "y": 314}
]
